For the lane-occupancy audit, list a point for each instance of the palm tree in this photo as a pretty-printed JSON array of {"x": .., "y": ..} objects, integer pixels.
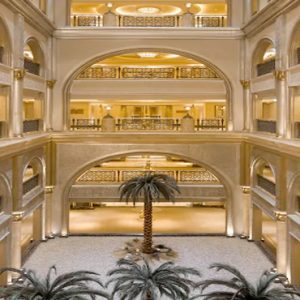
[
  {"x": 150, "y": 186},
  {"x": 132, "y": 280},
  {"x": 269, "y": 286},
  {"x": 73, "y": 285}
]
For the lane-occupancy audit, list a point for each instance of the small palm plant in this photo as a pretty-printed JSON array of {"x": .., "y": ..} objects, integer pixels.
[
  {"x": 73, "y": 285},
  {"x": 269, "y": 286},
  {"x": 150, "y": 186},
  {"x": 134, "y": 281}
]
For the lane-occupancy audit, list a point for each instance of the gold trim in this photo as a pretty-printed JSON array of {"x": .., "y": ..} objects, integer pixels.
[
  {"x": 19, "y": 74},
  {"x": 49, "y": 189},
  {"x": 245, "y": 84},
  {"x": 280, "y": 216},
  {"x": 279, "y": 75},
  {"x": 246, "y": 189},
  {"x": 50, "y": 83},
  {"x": 17, "y": 216}
]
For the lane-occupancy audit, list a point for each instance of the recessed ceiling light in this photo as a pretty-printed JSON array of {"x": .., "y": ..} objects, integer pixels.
[
  {"x": 148, "y": 10},
  {"x": 147, "y": 54}
]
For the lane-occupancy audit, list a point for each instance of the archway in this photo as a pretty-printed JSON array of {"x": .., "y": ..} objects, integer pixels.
[
  {"x": 200, "y": 68},
  {"x": 205, "y": 194},
  {"x": 34, "y": 59},
  {"x": 5, "y": 44}
]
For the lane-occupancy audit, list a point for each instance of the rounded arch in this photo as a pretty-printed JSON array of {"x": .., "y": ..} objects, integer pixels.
[
  {"x": 38, "y": 169},
  {"x": 6, "y": 193},
  {"x": 5, "y": 44},
  {"x": 292, "y": 192},
  {"x": 294, "y": 45},
  {"x": 259, "y": 52},
  {"x": 36, "y": 57},
  {"x": 80, "y": 170},
  {"x": 228, "y": 85}
]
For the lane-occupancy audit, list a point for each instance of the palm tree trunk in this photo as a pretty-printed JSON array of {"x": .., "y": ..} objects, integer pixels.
[{"x": 147, "y": 244}]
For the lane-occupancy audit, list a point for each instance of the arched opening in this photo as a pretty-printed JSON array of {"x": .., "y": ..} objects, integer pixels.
[
  {"x": 34, "y": 62},
  {"x": 5, "y": 45},
  {"x": 178, "y": 85},
  {"x": 295, "y": 46},
  {"x": 96, "y": 208}
]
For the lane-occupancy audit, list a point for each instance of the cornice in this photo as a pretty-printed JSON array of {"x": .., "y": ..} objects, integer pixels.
[
  {"x": 268, "y": 15},
  {"x": 149, "y": 33},
  {"x": 32, "y": 15}
]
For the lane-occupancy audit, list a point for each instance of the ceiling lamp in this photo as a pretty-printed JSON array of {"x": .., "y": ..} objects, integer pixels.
[
  {"x": 147, "y": 54},
  {"x": 148, "y": 10}
]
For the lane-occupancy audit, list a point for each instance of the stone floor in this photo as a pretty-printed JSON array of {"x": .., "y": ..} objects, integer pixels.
[{"x": 97, "y": 254}]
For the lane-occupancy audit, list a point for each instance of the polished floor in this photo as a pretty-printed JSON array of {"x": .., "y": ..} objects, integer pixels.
[{"x": 166, "y": 220}]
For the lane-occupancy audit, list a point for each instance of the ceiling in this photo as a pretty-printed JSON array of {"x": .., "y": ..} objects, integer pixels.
[{"x": 159, "y": 7}]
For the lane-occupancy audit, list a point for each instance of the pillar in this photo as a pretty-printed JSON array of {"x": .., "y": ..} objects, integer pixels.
[
  {"x": 247, "y": 10},
  {"x": 187, "y": 124},
  {"x": 255, "y": 228},
  {"x": 16, "y": 241},
  {"x": 4, "y": 259},
  {"x": 294, "y": 260},
  {"x": 246, "y": 211},
  {"x": 282, "y": 103},
  {"x": 39, "y": 223},
  {"x": 110, "y": 19},
  {"x": 188, "y": 20},
  {"x": 247, "y": 104},
  {"x": 48, "y": 105},
  {"x": 108, "y": 124},
  {"x": 281, "y": 236},
  {"x": 48, "y": 198}
]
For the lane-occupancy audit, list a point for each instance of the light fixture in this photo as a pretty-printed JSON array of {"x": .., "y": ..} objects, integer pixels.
[
  {"x": 187, "y": 108},
  {"x": 188, "y": 5},
  {"x": 28, "y": 54},
  {"x": 147, "y": 54},
  {"x": 108, "y": 108},
  {"x": 109, "y": 5},
  {"x": 269, "y": 54},
  {"x": 148, "y": 10}
]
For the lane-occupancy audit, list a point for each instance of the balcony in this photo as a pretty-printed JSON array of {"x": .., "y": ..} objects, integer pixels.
[
  {"x": 2, "y": 129},
  {"x": 30, "y": 184},
  {"x": 1, "y": 54},
  {"x": 31, "y": 67},
  {"x": 266, "y": 184},
  {"x": 266, "y": 126},
  {"x": 298, "y": 56},
  {"x": 265, "y": 68},
  {"x": 32, "y": 125},
  {"x": 297, "y": 130}
]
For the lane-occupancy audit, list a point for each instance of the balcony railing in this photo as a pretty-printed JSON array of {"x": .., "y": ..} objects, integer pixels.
[
  {"x": 1, "y": 204},
  {"x": 265, "y": 68},
  {"x": 297, "y": 130},
  {"x": 32, "y": 125},
  {"x": 266, "y": 184},
  {"x": 148, "y": 73},
  {"x": 298, "y": 203},
  {"x": 298, "y": 55},
  {"x": 196, "y": 176},
  {"x": 31, "y": 67},
  {"x": 266, "y": 126},
  {"x": 1, "y": 54},
  {"x": 148, "y": 21},
  {"x": 148, "y": 124},
  {"x": 30, "y": 184},
  {"x": 2, "y": 129}
]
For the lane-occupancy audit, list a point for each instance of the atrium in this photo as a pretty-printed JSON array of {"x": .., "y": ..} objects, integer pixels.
[{"x": 94, "y": 93}]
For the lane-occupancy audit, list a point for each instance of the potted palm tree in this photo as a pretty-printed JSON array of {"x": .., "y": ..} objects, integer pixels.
[
  {"x": 269, "y": 286},
  {"x": 73, "y": 285},
  {"x": 150, "y": 187},
  {"x": 140, "y": 281}
]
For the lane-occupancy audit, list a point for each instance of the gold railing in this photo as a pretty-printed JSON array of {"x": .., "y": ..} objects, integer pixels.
[
  {"x": 196, "y": 176},
  {"x": 265, "y": 68},
  {"x": 30, "y": 184},
  {"x": 297, "y": 130},
  {"x": 102, "y": 72},
  {"x": 86, "y": 21},
  {"x": 211, "y": 21},
  {"x": 131, "y": 21},
  {"x": 266, "y": 126}
]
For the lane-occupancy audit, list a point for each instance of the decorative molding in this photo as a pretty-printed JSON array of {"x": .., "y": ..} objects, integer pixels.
[
  {"x": 19, "y": 74},
  {"x": 17, "y": 216},
  {"x": 246, "y": 190},
  {"x": 245, "y": 84},
  {"x": 50, "y": 83},
  {"x": 280, "y": 216},
  {"x": 279, "y": 75},
  {"x": 49, "y": 189}
]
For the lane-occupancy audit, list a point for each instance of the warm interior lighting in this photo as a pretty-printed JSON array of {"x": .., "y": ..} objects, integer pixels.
[
  {"x": 109, "y": 5},
  {"x": 28, "y": 54},
  {"x": 269, "y": 54},
  {"x": 148, "y": 10},
  {"x": 147, "y": 54}
]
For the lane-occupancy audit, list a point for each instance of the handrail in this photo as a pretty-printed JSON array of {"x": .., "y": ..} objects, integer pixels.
[
  {"x": 266, "y": 125},
  {"x": 266, "y": 67},
  {"x": 30, "y": 184},
  {"x": 266, "y": 184}
]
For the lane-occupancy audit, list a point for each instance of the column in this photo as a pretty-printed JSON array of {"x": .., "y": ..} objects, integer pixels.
[
  {"x": 16, "y": 241},
  {"x": 39, "y": 223},
  {"x": 247, "y": 10},
  {"x": 247, "y": 104},
  {"x": 282, "y": 103},
  {"x": 255, "y": 228},
  {"x": 50, "y": 9},
  {"x": 48, "y": 105},
  {"x": 48, "y": 198},
  {"x": 281, "y": 236},
  {"x": 246, "y": 211},
  {"x": 17, "y": 103}
]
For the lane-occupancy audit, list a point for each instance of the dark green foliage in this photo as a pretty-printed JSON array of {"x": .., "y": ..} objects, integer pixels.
[
  {"x": 73, "y": 285},
  {"x": 139, "y": 281},
  {"x": 268, "y": 287}
]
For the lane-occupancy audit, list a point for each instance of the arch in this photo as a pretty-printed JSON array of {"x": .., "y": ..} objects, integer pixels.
[
  {"x": 294, "y": 45},
  {"x": 5, "y": 43},
  {"x": 68, "y": 83},
  {"x": 292, "y": 188},
  {"x": 259, "y": 51},
  {"x": 39, "y": 168},
  {"x": 80, "y": 170},
  {"x": 7, "y": 193},
  {"x": 38, "y": 57}
]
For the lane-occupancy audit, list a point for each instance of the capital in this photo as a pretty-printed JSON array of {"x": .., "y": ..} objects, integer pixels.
[
  {"x": 279, "y": 75},
  {"x": 19, "y": 74},
  {"x": 245, "y": 84},
  {"x": 17, "y": 216},
  {"x": 246, "y": 189},
  {"x": 49, "y": 189},
  {"x": 50, "y": 83},
  {"x": 280, "y": 216}
]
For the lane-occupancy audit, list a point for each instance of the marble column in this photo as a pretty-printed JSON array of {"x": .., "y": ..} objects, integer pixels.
[
  {"x": 246, "y": 211},
  {"x": 39, "y": 223},
  {"x": 282, "y": 102},
  {"x": 49, "y": 105},
  {"x": 255, "y": 228},
  {"x": 281, "y": 235},
  {"x": 247, "y": 104},
  {"x": 48, "y": 196},
  {"x": 17, "y": 103}
]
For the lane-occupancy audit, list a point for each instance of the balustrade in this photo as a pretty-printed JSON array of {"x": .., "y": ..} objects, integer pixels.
[
  {"x": 31, "y": 67},
  {"x": 266, "y": 67},
  {"x": 30, "y": 184},
  {"x": 266, "y": 184},
  {"x": 1, "y": 54},
  {"x": 196, "y": 176},
  {"x": 85, "y": 124},
  {"x": 102, "y": 72},
  {"x": 31, "y": 125},
  {"x": 211, "y": 124},
  {"x": 266, "y": 126},
  {"x": 1, "y": 204},
  {"x": 298, "y": 56},
  {"x": 210, "y": 21},
  {"x": 2, "y": 125},
  {"x": 298, "y": 203},
  {"x": 141, "y": 124},
  {"x": 87, "y": 20},
  {"x": 297, "y": 130}
]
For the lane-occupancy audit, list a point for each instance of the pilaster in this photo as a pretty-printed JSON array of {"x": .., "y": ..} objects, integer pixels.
[{"x": 281, "y": 232}]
